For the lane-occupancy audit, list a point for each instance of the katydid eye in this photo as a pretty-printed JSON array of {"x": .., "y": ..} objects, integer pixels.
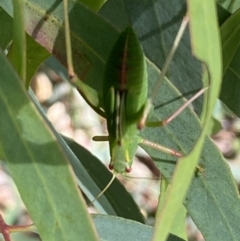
[
  {"x": 128, "y": 169},
  {"x": 110, "y": 166}
]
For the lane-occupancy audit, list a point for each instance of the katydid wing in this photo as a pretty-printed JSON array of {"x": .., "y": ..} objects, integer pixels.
[{"x": 125, "y": 94}]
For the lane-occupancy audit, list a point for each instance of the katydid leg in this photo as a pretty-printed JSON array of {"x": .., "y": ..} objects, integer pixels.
[
  {"x": 149, "y": 104},
  {"x": 71, "y": 72},
  {"x": 177, "y": 112},
  {"x": 165, "y": 122},
  {"x": 91, "y": 96},
  {"x": 159, "y": 147},
  {"x": 100, "y": 138},
  {"x": 68, "y": 41}
]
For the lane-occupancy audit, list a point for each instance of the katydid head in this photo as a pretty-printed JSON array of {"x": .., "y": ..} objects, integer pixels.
[
  {"x": 120, "y": 166},
  {"x": 120, "y": 161},
  {"x": 122, "y": 155}
]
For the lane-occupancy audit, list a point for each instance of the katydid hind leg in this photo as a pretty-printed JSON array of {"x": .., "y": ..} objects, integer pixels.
[
  {"x": 143, "y": 121},
  {"x": 159, "y": 147},
  {"x": 91, "y": 96},
  {"x": 71, "y": 72},
  {"x": 154, "y": 93},
  {"x": 68, "y": 41},
  {"x": 82, "y": 57},
  {"x": 177, "y": 112}
]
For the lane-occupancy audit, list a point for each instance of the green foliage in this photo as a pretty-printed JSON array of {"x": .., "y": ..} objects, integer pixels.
[
  {"x": 230, "y": 31},
  {"x": 40, "y": 161}
]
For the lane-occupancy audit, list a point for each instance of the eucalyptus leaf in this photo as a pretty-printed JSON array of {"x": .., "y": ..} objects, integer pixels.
[
  {"x": 5, "y": 27},
  {"x": 121, "y": 201},
  {"x": 118, "y": 229},
  {"x": 205, "y": 189},
  {"x": 17, "y": 52},
  {"x": 212, "y": 200},
  {"x": 87, "y": 169},
  {"x": 38, "y": 166},
  {"x": 230, "y": 32}
]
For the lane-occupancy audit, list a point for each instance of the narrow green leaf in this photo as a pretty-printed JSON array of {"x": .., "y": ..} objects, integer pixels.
[
  {"x": 208, "y": 51},
  {"x": 121, "y": 201},
  {"x": 117, "y": 229},
  {"x": 214, "y": 126},
  {"x": 229, "y": 35},
  {"x": 93, "y": 4},
  {"x": 38, "y": 166},
  {"x": 230, "y": 5},
  {"x": 17, "y": 53},
  {"x": 1, "y": 152},
  {"x": 112, "y": 228},
  {"x": 36, "y": 54},
  {"x": 223, "y": 14},
  {"x": 178, "y": 228},
  {"x": 84, "y": 180},
  {"x": 44, "y": 22},
  {"x": 5, "y": 27},
  {"x": 230, "y": 32},
  {"x": 115, "y": 12},
  {"x": 91, "y": 172}
]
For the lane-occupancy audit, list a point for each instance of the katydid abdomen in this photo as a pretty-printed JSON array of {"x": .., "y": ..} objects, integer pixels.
[{"x": 125, "y": 95}]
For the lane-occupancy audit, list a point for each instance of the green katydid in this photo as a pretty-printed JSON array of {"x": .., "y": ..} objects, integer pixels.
[{"x": 125, "y": 103}]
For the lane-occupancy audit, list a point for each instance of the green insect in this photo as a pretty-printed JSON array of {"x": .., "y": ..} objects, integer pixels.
[
  {"x": 125, "y": 96},
  {"x": 125, "y": 102}
]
